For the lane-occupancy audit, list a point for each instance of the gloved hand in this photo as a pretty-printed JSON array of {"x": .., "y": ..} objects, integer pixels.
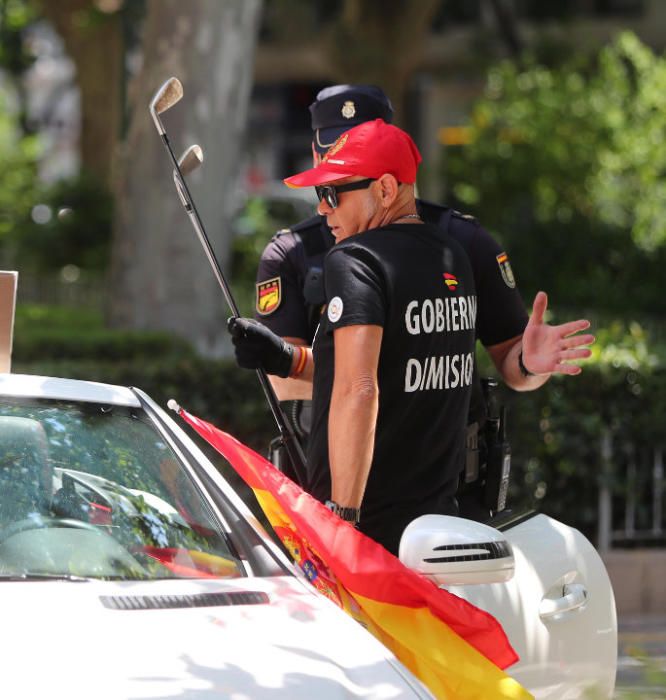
[{"x": 257, "y": 347}]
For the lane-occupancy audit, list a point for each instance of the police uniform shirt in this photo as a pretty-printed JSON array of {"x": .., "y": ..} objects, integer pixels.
[
  {"x": 281, "y": 302},
  {"x": 284, "y": 264},
  {"x": 417, "y": 285}
]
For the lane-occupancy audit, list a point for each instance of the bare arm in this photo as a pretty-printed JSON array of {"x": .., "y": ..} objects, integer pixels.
[
  {"x": 546, "y": 349},
  {"x": 505, "y": 358},
  {"x": 353, "y": 413}
]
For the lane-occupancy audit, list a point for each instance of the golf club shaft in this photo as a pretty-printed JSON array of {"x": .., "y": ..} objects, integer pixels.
[
  {"x": 190, "y": 208},
  {"x": 291, "y": 444}
]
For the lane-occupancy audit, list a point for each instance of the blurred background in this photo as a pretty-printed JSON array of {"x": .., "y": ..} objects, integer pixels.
[{"x": 544, "y": 119}]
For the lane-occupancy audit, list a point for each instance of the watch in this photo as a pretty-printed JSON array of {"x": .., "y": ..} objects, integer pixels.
[{"x": 350, "y": 515}]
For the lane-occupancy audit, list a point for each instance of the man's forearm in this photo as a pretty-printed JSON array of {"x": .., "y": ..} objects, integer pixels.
[
  {"x": 291, "y": 389},
  {"x": 351, "y": 437},
  {"x": 506, "y": 357}
]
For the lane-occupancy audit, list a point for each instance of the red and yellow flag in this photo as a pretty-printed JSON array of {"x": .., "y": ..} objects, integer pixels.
[{"x": 453, "y": 647}]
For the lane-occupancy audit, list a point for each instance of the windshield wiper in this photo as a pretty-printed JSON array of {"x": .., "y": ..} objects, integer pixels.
[{"x": 43, "y": 577}]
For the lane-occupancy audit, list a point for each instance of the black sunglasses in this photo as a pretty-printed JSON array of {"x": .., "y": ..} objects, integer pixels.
[{"x": 330, "y": 192}]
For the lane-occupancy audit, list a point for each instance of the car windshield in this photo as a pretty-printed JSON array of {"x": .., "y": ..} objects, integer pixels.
[{"x": 90, "y": 490}]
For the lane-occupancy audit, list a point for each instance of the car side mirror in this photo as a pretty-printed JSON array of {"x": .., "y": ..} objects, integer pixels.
[{"x": 454, "y": 551}]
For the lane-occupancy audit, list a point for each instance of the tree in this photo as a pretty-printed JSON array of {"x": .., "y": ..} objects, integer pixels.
[
  {"x": 160, "y": 276},
  {"x": 570, "y": 161},
  {"x": 93, "y": 39},
  {"x": 380, "y": 43}
]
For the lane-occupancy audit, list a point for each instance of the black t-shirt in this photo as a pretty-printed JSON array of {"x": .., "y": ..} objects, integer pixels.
[
  {"x": 417, "y": 284},
  {"x": 284, "y": 263}
]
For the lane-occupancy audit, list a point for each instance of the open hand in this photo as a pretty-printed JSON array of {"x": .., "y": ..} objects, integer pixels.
[{"x": 550, "y": 349}]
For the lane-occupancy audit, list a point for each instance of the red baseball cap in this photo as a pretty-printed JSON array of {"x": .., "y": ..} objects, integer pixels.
[{"x": 370, "y": 149}]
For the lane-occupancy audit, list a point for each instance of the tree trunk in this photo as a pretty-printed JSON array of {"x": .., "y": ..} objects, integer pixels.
[
  {"x": 380, "y": 42},
  {"x": 161, "y": 278},
  {"x": 94, "y": 42}
]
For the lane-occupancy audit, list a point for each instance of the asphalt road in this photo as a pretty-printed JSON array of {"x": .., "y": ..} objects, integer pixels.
[{"x": 641, "y": 671}]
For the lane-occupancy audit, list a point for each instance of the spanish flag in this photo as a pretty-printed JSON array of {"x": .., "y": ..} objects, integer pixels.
[{"x": 453, "y": 647}]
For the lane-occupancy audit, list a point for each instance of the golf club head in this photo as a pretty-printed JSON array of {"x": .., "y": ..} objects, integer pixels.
[
  {"x": 166, "y": 97},
  {"x": 191, "y": 159}
]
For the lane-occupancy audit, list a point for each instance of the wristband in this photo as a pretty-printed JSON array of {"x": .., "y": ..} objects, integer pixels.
[
  {"x": 521, "y": 366},
  {"x": 302, "y": 361}
]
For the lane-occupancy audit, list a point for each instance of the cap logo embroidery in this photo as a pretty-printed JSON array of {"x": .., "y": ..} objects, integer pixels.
[
  {"x": 348, "y": 109},
  {"x": 342, "y": 140}
]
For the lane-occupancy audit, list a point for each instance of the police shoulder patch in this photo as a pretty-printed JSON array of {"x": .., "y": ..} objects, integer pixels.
[
  {"x": 505, "y": 269},
  {"x": 269, "y": 296}
]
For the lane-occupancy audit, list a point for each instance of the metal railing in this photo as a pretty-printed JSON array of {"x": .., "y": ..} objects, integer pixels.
[{"x": 631, "y": 496}]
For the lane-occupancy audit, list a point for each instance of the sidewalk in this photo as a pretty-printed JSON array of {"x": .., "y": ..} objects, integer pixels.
[{"x": 641, "y": 670}]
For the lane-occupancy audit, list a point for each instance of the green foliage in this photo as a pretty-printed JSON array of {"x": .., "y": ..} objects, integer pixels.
[
  {"x": 17, "y": 176},
  {"x": 78, "y": 231},
  {"x": 570, "y": 162},
  {"x": 556, "y": 432},
  {"x": 15, "y": 16},
  {"x": 52, "y": 333},
  {"x": 32, "y": 317}
]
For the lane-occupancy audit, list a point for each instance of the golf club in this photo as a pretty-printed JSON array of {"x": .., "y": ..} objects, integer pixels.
[
  {"x": 188, "y": 162},
  {"x": 168, "y": 95}
]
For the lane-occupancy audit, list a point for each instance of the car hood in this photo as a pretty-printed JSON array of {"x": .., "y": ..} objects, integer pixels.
[{"x": 245, "y": 639}]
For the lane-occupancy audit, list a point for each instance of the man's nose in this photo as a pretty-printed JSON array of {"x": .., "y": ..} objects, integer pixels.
[{"x": 324, "y": 208}]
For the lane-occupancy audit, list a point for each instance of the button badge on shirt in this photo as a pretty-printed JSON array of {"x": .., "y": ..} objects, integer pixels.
[{"x": 335, "y": 307}]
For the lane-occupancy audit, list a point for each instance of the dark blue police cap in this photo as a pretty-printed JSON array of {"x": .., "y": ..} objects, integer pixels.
[{"x": 338, "y": 108}]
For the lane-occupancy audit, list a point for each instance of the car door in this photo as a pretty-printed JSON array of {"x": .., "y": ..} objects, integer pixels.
[{"x": 558, "y": 611}]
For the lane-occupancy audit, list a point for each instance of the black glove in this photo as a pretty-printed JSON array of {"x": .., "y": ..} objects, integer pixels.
[{"x": 257, "y": 347}]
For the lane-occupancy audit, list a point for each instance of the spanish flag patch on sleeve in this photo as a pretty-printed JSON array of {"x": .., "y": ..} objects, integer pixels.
[{"x": 269, "y": 296}]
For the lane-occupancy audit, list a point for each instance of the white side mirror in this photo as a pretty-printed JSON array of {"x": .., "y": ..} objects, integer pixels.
[{"x": 455, "y": 551}]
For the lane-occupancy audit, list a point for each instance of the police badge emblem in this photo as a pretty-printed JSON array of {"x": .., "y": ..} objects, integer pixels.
[
  {"x": 348, "y": 109},
  {"x": 505, "y": 269},
  {"x": 269, "y": 296}
]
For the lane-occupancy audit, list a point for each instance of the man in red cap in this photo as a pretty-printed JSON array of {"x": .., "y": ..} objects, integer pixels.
[
  {"x": 391, "y": 365},
  {"x": 392, "y": 360}
]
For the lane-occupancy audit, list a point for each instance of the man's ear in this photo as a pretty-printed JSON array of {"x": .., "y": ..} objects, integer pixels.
[{"x": 388, "y": 190}]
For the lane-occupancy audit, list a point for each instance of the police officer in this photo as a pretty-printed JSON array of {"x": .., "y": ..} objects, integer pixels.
[
  {"x": 290, "y": 291},
  {"x": 392, "y": 359},
  {"x": 290, "y": 285}
]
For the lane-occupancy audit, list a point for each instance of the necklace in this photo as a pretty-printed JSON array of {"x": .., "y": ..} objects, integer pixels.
[{"x": 407, "y": 216}]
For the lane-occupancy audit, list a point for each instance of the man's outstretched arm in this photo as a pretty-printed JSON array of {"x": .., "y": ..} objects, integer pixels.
[{"x": 526, "y": 362}]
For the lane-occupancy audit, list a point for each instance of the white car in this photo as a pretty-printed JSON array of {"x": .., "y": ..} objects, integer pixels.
[{"x": 131, "y": 569}]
